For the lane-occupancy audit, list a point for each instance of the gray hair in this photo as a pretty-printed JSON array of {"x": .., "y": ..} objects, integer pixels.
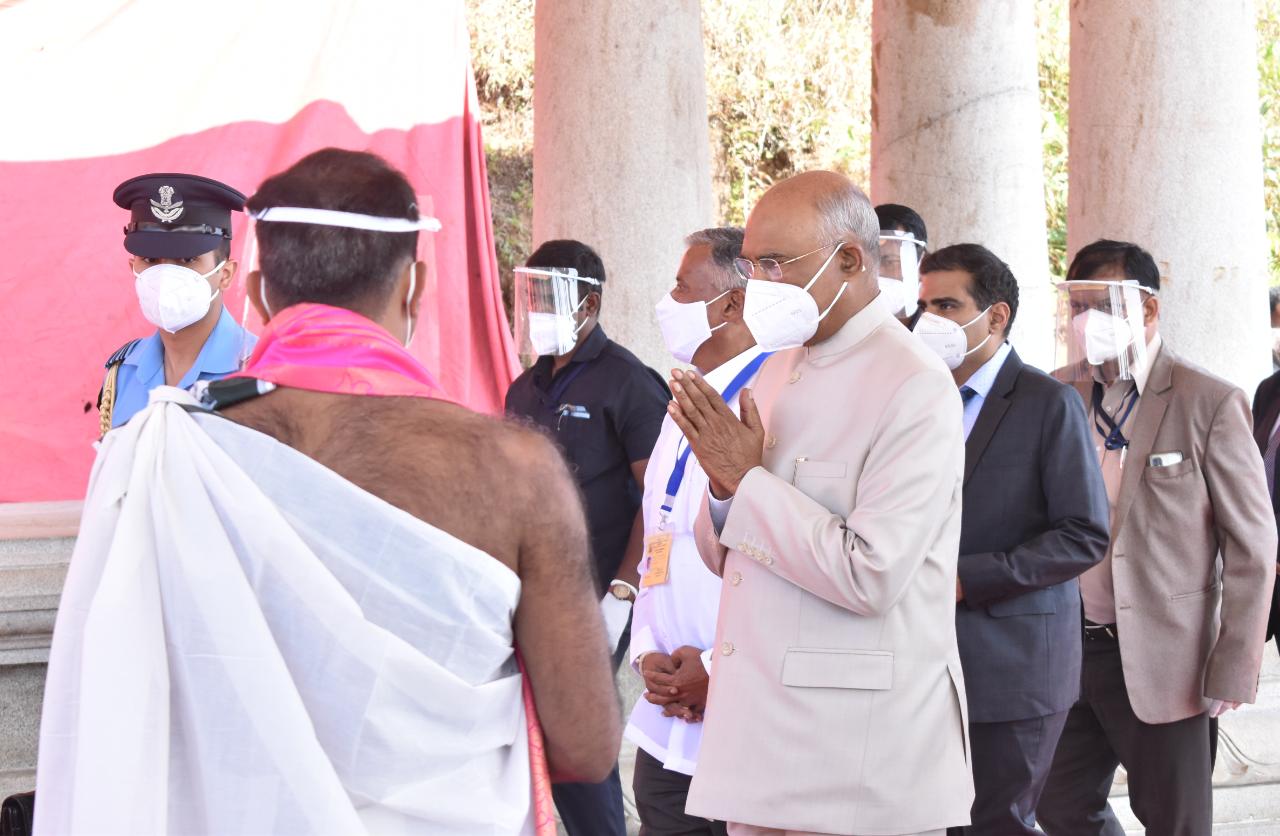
[
  {"x": 847, "y": 216},
  {"x": 726, "y": 245}
]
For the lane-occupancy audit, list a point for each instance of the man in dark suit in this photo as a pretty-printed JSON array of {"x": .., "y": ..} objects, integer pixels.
[
  {"x": 1035, "y": 517},
  {"x": 1266, "y": 431}
]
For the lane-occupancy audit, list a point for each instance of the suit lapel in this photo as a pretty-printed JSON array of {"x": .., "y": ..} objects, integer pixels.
[
  {"x": 994, "y": 406},
  {"x": 1150, "y": 413}
]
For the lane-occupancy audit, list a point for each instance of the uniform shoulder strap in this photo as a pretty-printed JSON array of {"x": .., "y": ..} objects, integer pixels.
[
  {"x": 121, "y": 353},
  {"x": 107, "y": 394}
]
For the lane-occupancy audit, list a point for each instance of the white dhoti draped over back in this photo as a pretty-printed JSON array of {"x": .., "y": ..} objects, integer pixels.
[{"x": 249, "y": 643}]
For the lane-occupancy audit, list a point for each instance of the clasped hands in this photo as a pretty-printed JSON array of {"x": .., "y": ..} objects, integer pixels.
[
  {"x": 677, "y": 682},
  {"x": 727, "y": 447}
]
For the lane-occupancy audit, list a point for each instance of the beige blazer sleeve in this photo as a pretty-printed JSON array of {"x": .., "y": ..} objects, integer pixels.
[
  {"x": 1247, "y": 539},
  {"x": 863, "y": 560}
]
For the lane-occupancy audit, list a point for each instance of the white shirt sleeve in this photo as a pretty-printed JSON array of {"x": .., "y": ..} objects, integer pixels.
[{"x": 719, "y": 509}]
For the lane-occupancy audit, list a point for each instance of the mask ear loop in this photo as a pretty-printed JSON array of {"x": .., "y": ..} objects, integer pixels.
[
  {"x": 408, "y": 303},
  {"x": 251, "y": 255}
]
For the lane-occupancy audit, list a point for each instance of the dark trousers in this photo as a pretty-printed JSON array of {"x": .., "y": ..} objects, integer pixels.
[
  {"x": 1170, "y": 774},
  {"x": 1011, "y": 764},
  {"x": 591, "y": 809},
  {"x": 595, "y": 809},
  {"x": 660, "y": 798}
]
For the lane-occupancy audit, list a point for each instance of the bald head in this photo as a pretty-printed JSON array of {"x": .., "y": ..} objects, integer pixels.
[{"x": 809, "y": 215}]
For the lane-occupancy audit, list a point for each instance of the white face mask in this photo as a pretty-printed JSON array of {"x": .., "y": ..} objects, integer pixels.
[
  {"x": 685, "y": 326},
  {"x": 898, "y": 295},
  {"x": 1103, "y": 335},
  {"x": 946, "y": 338},
  {"x": 781, "y": 315},
  {"x": 554, "y": 334},
  {"x": 172, "y": 296}
]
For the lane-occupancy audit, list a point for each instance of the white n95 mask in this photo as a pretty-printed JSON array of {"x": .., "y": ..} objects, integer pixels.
[
  {"x": 685, "y": 325},
  {"x": 172, "y": 296},
  {"x": 946, "y": 338},
  {"x": 552, "y": 334},
  {"x": 781, "y": 315},
  {"x": 1103, "y": 335}
]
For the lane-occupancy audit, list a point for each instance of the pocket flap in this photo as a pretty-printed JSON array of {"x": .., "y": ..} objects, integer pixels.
[
  {"x": 817, "y": 668},
  {"x": 1039, "y": 602}
]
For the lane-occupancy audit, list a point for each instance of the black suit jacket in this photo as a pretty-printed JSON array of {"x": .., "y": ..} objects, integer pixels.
[
  {"x": 1266, "y": 408},
  {"x": 1035, "y": 517}
]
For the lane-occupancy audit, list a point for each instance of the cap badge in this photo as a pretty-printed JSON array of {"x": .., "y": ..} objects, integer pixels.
[{"x": 166, "y": 210}]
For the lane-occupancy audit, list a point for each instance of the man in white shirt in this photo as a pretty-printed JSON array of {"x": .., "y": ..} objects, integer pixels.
[{"x": 674, "y": 622}]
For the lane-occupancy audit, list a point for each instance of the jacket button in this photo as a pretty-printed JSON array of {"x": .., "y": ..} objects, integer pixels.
[
  {"x": 726, "y": 649},
  {"x": 735, "y": 578},
  {"x": 770, "y": 442},
  {"x": 795, "y": 377}
]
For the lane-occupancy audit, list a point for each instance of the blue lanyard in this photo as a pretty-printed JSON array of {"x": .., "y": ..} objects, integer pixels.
[
  {"x": 1112, "y": 436},
  {"x": 682, "y": 461}
]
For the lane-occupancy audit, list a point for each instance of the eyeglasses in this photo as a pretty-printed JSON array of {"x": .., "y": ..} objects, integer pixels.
[{"x": 771, "y": 267}]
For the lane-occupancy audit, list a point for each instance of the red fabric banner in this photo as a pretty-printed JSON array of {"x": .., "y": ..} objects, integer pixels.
[{"x": 66, "y": 290}]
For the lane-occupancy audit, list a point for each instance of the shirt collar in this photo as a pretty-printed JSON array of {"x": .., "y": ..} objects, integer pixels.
[
  {"x": 720, "y": 377},
  {"x": 219, "y": 355},
  {"x": 859, "y": 326},
  {"x": 984, "y": 378}
]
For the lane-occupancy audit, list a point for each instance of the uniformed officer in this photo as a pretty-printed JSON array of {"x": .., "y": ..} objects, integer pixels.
[{"x": 179, "y": 242}]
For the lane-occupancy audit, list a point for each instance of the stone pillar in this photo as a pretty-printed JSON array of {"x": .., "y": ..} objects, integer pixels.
[
  {"x": 955, "y": 135},
  {"x": 1165, "y": 151},
  {"x": 621, "y": 153}
]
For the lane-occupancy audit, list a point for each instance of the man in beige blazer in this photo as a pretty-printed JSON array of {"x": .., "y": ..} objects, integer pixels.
[
  {"x": 837, "y": 701},
  {"x": 1176, "y": 612}
]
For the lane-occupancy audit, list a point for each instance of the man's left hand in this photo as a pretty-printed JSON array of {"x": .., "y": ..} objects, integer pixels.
[
  {"x": 726, "y": 447},
  {"x": 1219, "y": 707}
]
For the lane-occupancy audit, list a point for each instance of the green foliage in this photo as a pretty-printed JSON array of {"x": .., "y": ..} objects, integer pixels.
[
  {"x": 789, "y": 89},
  {"x": 1051, "y": 31},
  {"x": 1269, "y": 110}
]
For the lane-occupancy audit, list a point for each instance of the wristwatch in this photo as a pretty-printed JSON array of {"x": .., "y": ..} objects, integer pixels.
[{"x": 623, "y": 591}]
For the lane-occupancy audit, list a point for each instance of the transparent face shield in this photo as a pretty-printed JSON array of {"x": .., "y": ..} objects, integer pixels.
[
  {"x": 549, "y": 310},
  {"x": 899, "y": 278},
  {"x": 1101, "y": 330}
]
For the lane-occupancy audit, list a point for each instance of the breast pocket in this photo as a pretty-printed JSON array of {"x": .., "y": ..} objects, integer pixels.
[
  {"x": 870, "y": 670},
  {"x": 825, "y": 482},
  {"x": 584, "y": 437}
]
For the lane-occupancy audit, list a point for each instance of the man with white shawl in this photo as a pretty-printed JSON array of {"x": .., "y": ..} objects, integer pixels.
[{"x": 300, "y": 613}]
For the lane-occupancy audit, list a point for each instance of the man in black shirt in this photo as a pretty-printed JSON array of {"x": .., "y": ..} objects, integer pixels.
[{"x": 604, "y": 408}]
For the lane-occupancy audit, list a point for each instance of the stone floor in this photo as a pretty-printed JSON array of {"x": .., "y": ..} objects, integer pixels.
[{"x": 1246, "y": 784}]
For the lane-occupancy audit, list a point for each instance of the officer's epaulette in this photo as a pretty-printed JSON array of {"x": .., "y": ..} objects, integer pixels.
[{"x": 121, "y": 353}]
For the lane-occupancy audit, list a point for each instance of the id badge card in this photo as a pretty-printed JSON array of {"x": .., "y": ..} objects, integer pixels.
[{"x": 657, "y": 552}]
